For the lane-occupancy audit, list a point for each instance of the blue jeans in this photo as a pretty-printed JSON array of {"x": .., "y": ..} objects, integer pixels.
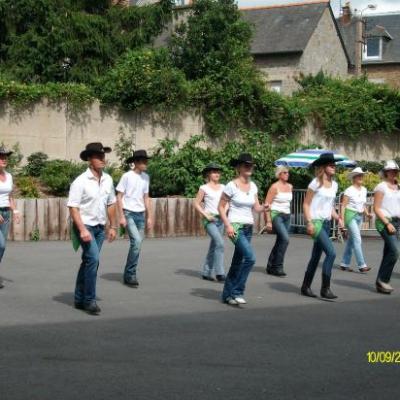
[
  {"x": 324, "y": 244},
  {"x": 281, "y": 225},
  {"x": 6, "y": 214},
  {"x": 390, "y": 252},
  {"x": 135, "y": 227},
  {"x": 215, "y": 256},
  {"x": 354, "y": 243},
  {"x": 85, "y": 289},
  {"x": 242, "y": 262}
]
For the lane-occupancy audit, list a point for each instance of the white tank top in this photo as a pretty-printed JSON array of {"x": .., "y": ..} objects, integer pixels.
[
  {"x": 211, "y": 198},
  {"x": 281, "y": 202}
]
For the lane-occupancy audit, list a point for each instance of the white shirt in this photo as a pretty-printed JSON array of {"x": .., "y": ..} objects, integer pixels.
[
  {"x": 241, "y": 203},
  {"x": 391, "y": 200},
  {"x": 211, "y": 198},
  {"x": 281, "y": 202},
  {"x": 323, "y": 200},
  {"x": 357, "y": 198},
  {"x": 5, "y": 190},
  {"x": 92, "y": 197},
  {"x": 134, "y": 186}
]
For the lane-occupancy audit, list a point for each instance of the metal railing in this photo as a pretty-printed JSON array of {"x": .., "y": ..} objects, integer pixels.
[{"x": 298, "y": 221}]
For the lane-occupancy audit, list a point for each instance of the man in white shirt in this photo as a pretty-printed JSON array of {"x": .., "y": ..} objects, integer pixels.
[
  {"x": 133, "y": 205},
  {"x": 91, "y": 200}
]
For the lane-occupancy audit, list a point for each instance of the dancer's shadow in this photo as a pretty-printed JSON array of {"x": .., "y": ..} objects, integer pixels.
[
  {"x": 211, "y": 294},
  {"x": 284, "y": 287},
  {"x": 65, "y": 298},
  {"x": 188, "y": 272},
  {"x": 112, "y": 276},
  {"x": 355, "y": 284},
  {"x": 259, "y": 269}
]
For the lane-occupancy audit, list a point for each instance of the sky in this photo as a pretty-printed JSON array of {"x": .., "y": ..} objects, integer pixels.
[{"x": 383, "y": 5}]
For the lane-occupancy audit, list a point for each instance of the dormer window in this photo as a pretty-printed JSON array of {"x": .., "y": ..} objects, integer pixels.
[{"x": 373, "y": 49}]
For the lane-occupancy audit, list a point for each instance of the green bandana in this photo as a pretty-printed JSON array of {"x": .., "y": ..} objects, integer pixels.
[
  {"x": 236, "y": 227},
  {"x": 205, "y": 221},
  {"x": 121, "y": 231},
  {"x": 379, "y": 225},
  {"x": 349, "y": 216},
  {"x": 74, "y": 238},
  {"x": 317, "y": 223},
  {"x": 274, "y": 214}
]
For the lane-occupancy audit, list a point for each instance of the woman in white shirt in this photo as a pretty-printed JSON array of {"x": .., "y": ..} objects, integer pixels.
[
  {"x": 277, "y": 219},
  {"x": 319, "y": 209},
  {"x": 241, "y": 195},
  {"x": 352, "y": 211},
  {"x": 7, "y": 204},
  {"x": 387, "y": 210},
  {"x": 206, "y": 203}
]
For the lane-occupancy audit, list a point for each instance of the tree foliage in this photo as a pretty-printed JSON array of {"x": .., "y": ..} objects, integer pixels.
[{"x": 72, "y": 40}]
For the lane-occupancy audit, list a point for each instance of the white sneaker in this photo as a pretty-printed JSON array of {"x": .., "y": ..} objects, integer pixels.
[
  {"x": 240, "y": 300},
  {"x": 231, "y": 301}
]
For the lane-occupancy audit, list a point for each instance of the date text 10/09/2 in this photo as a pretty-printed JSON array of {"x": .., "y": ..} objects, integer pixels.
[{"x": 383, "y": 357}]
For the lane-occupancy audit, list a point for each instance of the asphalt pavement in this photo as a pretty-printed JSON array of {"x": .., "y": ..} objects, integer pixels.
[{"x": 172, "y": 338}]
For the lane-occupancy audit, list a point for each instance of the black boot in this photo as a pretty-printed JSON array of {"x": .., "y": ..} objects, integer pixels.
[
  {"x": 306, "y": 286},
  {"x": 326, "y": 292}
]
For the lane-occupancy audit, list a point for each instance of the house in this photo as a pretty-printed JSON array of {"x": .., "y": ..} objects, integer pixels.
[
  {"x": 380, "y": 59},
  {"x": 289, "y": 40},
  {"x": 295, "y": 39}
]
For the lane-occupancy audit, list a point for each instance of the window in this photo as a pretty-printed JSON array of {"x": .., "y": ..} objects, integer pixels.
[
  {"x": 275, "y": 86},
  {"x": 373, "y": 49}
]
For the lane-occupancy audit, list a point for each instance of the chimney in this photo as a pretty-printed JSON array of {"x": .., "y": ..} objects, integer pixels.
[{"x": 346, "y": 14}]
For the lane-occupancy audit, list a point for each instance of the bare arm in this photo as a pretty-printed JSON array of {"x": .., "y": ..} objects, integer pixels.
[
  {"x": 307, "y": 211},
  {"x": 378, "y": 197},
  {"x": 112, "y": 217},
  {"x": 197, "y": 204},
  {"x": 272, "y": 192},
  {"x": 120, "y": 207},
  {"x": 344, "y": 204},
  {"x": 259, "y": 208},
  {"x": 16, "y": 216},
  {"x": 147, "y": 205},
  {"x": 222, "y": 209}
]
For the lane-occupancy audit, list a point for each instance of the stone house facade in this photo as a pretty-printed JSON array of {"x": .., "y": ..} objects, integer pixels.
[
  {"x": 381, "y": 45},
  {"x": 290, "y": 40}
]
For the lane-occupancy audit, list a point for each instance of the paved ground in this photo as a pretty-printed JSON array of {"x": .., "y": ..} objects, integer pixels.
[{"x": 173, "y": 339}]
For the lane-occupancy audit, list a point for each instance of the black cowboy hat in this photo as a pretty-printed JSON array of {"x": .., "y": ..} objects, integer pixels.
[
  {"x": 211, "y": 167},
  {"x": 138, "y": 155},
  {"x": 5, "y": 152},
  {"x": 325, "y": 159},
  {"x": 94, "y": 148},
  {"x": 244, "y": 158}
]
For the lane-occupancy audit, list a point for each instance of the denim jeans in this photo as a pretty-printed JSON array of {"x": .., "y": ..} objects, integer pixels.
[
  {"x": 135, "y": 227},
  {"x": 324, "y": 244},
  {"x": 4, "y": 231},
  {"x": 215, "y": 257},
  {"x": 85, "y": 289},
  {"x": 354, "y": 243},
  {"x": 280, "y": 224},
  {"x": 390, "y": 252},
  {"x": 242, "y": 262}
]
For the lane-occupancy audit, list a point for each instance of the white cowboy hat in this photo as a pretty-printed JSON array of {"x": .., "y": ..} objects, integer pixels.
[
  {"x": 390, "y": 165},
  {"x": 356, "y": 171}
]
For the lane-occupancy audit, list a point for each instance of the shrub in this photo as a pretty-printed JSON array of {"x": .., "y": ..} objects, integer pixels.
[
  {"x": 144, "y": 78},
  {"x": 58, "y": 175},
  {"x": 370, "y": 181},
  {"x": 36, "y": 163},
  {"x": 177, "y": 171},
  {"x": 27, "y": 187}
]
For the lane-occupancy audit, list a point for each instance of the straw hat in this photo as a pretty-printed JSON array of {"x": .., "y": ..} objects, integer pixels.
[{"x": 355, "y": 172}]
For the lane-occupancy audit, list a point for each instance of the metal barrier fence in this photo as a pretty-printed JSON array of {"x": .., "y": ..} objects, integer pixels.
[{"x": 298, "y": 220}]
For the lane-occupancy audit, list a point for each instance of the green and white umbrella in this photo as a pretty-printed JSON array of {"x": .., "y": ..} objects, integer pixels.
[{"x": 304, "y": 158}]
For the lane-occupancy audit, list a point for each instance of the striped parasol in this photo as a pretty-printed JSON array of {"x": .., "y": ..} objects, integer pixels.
[{"x": 304, "y": 158}]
